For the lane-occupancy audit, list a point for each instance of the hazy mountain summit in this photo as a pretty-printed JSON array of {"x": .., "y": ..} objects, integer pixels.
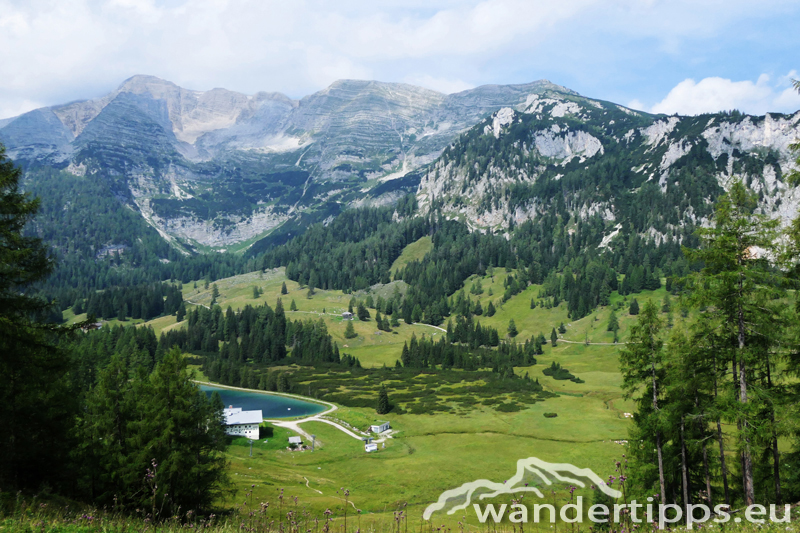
[{"x": 219, "y": 119}]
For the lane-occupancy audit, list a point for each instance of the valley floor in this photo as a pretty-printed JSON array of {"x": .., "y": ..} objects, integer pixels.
[{"x": 431, "y": 453}]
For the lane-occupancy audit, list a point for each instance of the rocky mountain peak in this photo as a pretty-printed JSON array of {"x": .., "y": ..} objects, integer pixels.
[
  {"x": 495, "y": 155},
  {"x": 141, "y": 83}
]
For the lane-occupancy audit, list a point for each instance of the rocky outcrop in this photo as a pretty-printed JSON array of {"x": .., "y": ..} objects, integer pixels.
[
  {"x": 497, "y": 185},
  {"x": 558, "y": 144}
]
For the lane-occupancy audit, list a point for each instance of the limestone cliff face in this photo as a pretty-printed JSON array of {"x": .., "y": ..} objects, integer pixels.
[
  {"x": 508, "y": 169},
  {"x": 191, "y": 113},
  {"x": 215, "y": 168}
]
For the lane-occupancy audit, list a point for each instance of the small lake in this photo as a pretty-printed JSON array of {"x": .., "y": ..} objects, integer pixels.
[{"x": 271, "y": 405}]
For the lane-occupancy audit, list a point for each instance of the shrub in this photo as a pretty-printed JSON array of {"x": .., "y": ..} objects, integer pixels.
[
  {"x": 509, "y": 407},
  {"x": 556, "y": 371},
  {"x": 550, "y": 415}
]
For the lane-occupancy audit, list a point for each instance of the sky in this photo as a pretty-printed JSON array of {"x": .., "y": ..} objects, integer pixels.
[{"x": 664, "y": 56}]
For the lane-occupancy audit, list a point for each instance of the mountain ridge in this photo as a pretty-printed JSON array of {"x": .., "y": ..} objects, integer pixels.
[
  {"x": 180, "y": 156},
  {"x": 219, "y": 170}
]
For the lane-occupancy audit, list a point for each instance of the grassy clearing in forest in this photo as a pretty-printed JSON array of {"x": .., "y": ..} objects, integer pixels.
[
  {"x": 373, "y": 347},
  {"x": 415, "y": 251},
  {"x": 430, "y": 453},
  {"x": 433, "y": 452}
]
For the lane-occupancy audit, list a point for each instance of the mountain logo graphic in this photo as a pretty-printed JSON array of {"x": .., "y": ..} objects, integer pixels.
[{"x": 530, "y": 473}]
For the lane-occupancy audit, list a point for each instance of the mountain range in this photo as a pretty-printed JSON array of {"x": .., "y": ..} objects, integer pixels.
[{"x": 220, "y": 170}]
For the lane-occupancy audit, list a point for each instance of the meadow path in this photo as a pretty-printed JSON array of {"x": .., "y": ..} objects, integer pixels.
[
  {"x": 594, "y": 343},
  {"x": 294, "y": 425}
]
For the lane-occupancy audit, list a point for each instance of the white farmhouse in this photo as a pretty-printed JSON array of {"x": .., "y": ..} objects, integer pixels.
[
  {"x": 242, "y": 423},
  {"x": 380, "y": 428}
]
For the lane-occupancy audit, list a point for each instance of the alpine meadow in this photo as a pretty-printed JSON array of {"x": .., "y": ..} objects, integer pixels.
[{"x": 382, "y": 307}]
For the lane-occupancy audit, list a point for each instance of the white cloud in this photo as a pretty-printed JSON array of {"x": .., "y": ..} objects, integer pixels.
[
  {"x": 636, "y": 104},
  {"x": 442, "y": 85},
  {"x": 249, "y": 45},
  {"x": 714, "y": 94},
  {"x": 462, "y": 30},
  {"x": 146, "y": 9},
  {"x": 67, "y": 49},
  {"x": 18, "y": 107}
]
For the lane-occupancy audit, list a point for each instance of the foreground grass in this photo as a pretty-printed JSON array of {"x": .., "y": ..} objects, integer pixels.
[{"x": 284, "y": 513}]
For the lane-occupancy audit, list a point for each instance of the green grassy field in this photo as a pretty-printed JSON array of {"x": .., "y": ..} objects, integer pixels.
[
  {"x": 430, "y": 453},
  {"x": 433, "y": 453},
  {"x": 373, "y": 347},
  {"x": 413, "y": 252},
  {"x": 427, "y": 456}
]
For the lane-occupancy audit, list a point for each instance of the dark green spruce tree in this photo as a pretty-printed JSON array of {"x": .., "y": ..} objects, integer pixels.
[
  {"x": 153, "y": 442},
  {"x": 512, "y": 328},
  {"x": 37, "y": 404},
  {"x": 643, "y": 375},
  {"x": 383, "y": 406}
]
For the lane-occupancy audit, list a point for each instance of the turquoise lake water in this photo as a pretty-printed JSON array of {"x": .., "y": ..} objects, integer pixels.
[{"x": 271, "y": 405}]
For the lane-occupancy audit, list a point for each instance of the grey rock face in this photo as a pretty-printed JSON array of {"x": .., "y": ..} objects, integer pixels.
[
  {"x": 38, "y": 134},
  {"x": 219, "y": 160},
  {"x": 508, "y": 169}
]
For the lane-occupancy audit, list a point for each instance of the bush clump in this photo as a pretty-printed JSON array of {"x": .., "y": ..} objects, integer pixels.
[
  {"x": 509, "y": 407},
  {"x": 558, "y": 372}
]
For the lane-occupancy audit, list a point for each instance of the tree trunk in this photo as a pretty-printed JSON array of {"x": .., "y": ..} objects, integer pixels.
[
  {"x": 684, "y": 474},
  {"x": 702, "y": 428},
  {"x": 776, "y": 463},
  {"x": 707, "y": 472},
  {"x": 738, "y": 392},
  {"x": 723, "y": 466},
  {"x": 747, "y": 461},
  {"x": 661, "y": 481}
]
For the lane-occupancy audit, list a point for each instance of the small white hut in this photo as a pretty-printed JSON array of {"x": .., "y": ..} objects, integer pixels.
[{"x": 379, "y": 428}]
